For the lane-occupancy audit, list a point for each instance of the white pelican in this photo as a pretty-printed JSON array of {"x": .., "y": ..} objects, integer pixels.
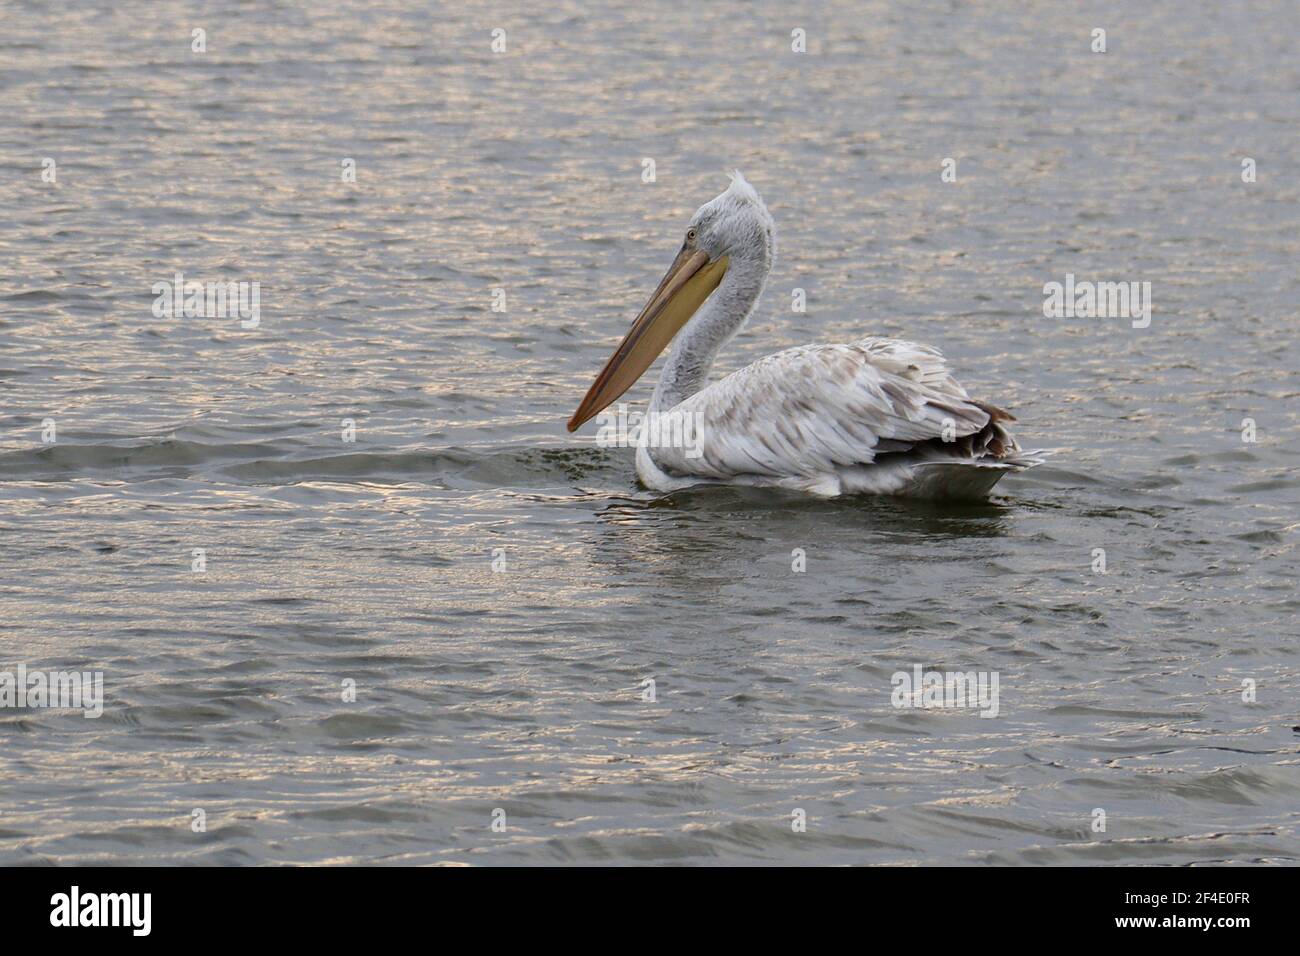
[{"x": 878, "y": 416}]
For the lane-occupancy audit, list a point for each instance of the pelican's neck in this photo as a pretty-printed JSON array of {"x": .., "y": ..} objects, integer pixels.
[{"x": 721, "y": 316}]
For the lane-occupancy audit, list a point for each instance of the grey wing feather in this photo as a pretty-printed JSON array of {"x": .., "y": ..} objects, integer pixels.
[{"x": 808, "y": 410}]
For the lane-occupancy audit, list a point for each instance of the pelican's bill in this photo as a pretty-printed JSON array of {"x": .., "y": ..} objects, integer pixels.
[{"x": 689, "y": 281}]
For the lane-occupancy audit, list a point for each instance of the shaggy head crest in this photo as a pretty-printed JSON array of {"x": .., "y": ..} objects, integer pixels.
[{"x": 741, "y": 189}]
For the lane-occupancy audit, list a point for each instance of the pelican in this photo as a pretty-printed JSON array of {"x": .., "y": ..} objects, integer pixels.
[{"x": 877, "y": 416}]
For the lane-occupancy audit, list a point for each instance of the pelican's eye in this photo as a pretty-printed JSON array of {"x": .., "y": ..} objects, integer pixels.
[{"x": 690, "y": 235}]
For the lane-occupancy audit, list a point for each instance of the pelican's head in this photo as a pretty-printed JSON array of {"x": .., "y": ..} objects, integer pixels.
[
  {"x": 732, "y": 227},
  {"x": 734, "y": 224}
]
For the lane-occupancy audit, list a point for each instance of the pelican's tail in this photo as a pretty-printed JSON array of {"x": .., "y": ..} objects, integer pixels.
[
  {"x": 958, "y": 478},
  {"x": 968, "y": 467}
]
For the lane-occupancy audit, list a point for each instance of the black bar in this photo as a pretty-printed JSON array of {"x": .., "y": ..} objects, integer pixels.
[{"x": 214, "y": 906}]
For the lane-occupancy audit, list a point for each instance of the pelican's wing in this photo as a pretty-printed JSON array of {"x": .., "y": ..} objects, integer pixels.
[{"x": 808, "y": 410}]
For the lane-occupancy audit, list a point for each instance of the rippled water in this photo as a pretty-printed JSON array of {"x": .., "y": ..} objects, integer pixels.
[{"x": 521, "y": 689}]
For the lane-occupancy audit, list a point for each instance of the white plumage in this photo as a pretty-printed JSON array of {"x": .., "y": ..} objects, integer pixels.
[{"x": 879, "y": 416}]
